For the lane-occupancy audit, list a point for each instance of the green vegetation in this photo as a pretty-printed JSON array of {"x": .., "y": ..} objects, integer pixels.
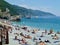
[{"x": 4, "y": 5}]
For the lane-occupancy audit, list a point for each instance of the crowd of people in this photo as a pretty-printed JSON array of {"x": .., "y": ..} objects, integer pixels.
[{"x": 25, "y": 35}]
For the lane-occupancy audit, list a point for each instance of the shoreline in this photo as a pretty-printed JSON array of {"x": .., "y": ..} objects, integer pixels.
[{"x": 55, "y": 30}]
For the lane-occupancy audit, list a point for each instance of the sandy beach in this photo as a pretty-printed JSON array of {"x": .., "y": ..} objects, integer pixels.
[{"x": 25, "y": 35}]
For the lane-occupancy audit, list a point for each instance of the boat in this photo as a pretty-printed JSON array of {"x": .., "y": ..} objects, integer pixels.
[{"x": 28, "y": 17}]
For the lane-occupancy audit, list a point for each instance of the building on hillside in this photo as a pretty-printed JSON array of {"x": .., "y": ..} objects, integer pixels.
[{"x": 5, "y": 14}]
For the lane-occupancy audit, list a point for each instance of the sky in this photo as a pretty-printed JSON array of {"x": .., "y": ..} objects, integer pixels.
[{"x": 52, "y": 6}]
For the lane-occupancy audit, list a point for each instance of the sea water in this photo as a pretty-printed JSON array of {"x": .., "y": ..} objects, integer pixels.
[{"x": 42, "y": 23}]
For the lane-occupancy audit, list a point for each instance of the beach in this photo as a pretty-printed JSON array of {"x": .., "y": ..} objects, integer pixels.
[
  {"x": 30, "y": 35},
  {"x": 26, "y": 35}
]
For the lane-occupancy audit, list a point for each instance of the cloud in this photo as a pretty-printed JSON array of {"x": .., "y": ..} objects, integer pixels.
[
  {"x": 28, "y": 7},
  {"x": 22, "y": 5}
]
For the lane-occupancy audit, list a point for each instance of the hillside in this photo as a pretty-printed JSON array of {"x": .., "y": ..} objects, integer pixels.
[
  {"x": 25, "y": 11},
  {"x": 17, "y": 10},
  {"x": 4, "y": 5}
]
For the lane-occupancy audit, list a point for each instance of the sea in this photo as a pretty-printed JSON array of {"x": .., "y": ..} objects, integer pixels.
[{"x": 41, "y": 23}]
